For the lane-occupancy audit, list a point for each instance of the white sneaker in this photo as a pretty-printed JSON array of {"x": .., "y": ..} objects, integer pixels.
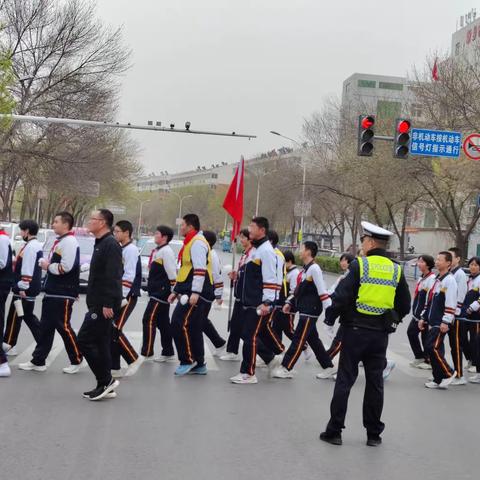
[
  {"x": 415, "y": 363},
  {"x": 459, "y": 381},
  {"x": 116, "y": 373},
  {"x": 10, "y": 351},
  {"x": 432, "y": 384},
  {"x": 308, "y": 353},
  {"x": 388, "y": 369},
  {"x": 424, "y": 366},
  {"x": 469, "y": 364},
  {"x": 472, "y": 369},
  {"x": 218, "y": 352},
  {"x": 447, "y": 381},
  {"x": 259, "y": 363},
  {"x": 30, "y": 366},
  {"x": 132, "y": 369},
  {"x": 147, "y": 359},
  {"x": 327, "y": 373},
  {"x": 243, "y": 379},
  {"x": 282, "y": 372},
  {"x": 111, "y": 395},
  {"x": 334, "y": 377},
  {"x": 5, "y": 370},
  {"x": 230, "y": 357},
  {"x": 164, "y": 358},
  {"x": 75, "y": 368},
  {"x": 274, "y": 365},
  {"x": 474, "y": 379}
]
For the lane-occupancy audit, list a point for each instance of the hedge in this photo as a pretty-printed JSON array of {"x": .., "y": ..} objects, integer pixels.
[{"x": 328, "y": 264}]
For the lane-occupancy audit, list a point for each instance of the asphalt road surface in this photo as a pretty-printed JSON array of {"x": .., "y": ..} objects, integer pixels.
[{"x": 163, "y": 427}]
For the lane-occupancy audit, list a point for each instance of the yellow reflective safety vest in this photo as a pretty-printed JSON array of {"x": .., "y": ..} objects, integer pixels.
[
  {"x": 283, "y": 290},
  {"x": 185, "y": 274},
  {"x": 379, "y": 277}
]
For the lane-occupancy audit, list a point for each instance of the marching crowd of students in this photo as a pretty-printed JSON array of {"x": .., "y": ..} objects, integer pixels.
[{"x": 269, "y": 291}]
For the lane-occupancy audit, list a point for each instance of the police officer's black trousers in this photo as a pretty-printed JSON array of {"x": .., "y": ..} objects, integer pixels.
[
  {"x": 235, "y": 330},
  {"x": 157, "y": 315},
  {"x": 282, "y": 323},
  {"x": 94, "y": 339},
  {"x": 336, "y": 344},
  {"x": 414, "y": 336},
  {"x": 3, "y": 301},
  {"x": 56, "y": 314},
  {"x": 306, "y": 331},
  {"x": 187, "y": 328},
  {"x": 121, "y": 347},
  {"x": 435, "y": 349},
  {"x": 257, "y": 328},
  {"x": 369, "y": 347},
  {"x": 455, "y": 339},
  {"x": 14, "y": 322}
]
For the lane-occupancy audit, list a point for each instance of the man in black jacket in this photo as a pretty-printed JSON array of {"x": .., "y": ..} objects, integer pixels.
[
  {"x": 104, "y": 298},
  {"x": 372, "y": 298}
]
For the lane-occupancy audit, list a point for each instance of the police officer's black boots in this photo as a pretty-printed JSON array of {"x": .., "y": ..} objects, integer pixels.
[
  {"x": 333, "y": 438},
  {"x": 374, "y": 440}
]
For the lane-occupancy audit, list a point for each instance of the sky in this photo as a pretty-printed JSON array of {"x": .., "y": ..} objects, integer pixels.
[{"x": 253, "y": 66}]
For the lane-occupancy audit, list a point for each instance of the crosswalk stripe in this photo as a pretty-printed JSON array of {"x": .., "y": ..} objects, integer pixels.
[{"x": 25, "y": 356}]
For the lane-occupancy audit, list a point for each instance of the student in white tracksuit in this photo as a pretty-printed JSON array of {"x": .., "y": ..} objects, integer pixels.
[{"x": 208, "y": 328}]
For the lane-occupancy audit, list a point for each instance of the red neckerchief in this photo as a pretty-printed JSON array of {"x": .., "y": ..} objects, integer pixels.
[
  {"x": 243, "y": 258},
  {"x": 188, "y": 238},
  {"x": 417, "y": 287},
  {"x": 56, "y": 242}
]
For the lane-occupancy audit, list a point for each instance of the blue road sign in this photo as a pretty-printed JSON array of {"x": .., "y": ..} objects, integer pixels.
[{"x": 435, "y": 143}]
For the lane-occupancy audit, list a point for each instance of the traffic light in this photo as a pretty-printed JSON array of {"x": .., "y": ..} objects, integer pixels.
[
  {"x": 401, "y": 138},
  {"x": 366, "y": 134}
]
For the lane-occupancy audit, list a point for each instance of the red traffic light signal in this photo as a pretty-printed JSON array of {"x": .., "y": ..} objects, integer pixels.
[
  {"x": 404, "y": 126},
  {"x": 401, "y": 139},
  {"x": 366, "y": 135},
  {"x": 368, "y": 122}
]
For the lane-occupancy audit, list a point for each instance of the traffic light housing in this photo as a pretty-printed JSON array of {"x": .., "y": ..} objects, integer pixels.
[
  {"x": 402, "y": 138},
  {"x": 366, "y": 135}
]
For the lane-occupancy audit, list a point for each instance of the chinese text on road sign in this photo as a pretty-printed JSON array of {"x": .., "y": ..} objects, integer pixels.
[{"x": 435, "y": 143}]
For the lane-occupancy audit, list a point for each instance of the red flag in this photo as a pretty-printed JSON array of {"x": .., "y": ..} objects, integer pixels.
[
  {"x": 435, "y": 76},
  {"x": 233, "y": 202}
]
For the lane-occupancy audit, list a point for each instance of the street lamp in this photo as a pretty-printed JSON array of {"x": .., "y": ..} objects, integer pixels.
[
  {"x": 181, "y": 199},
  {"x": 304, "y": 165},
  {"x": 140, "y": 215}
]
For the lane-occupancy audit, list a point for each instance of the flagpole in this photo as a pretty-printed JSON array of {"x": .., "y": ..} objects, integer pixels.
[{"x": 230, "y": 299}]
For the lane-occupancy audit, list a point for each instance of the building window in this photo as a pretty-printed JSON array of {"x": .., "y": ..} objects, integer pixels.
[
  {"x": 457, "y": 48},
  {"x": 214, "y": 175},
  {"x": 390, "y": 86},
  {"x": 430, "y": 219},
  {"x": 367, "y": 83}
]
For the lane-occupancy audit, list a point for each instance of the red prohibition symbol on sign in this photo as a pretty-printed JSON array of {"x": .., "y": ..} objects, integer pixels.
[{"x": 471, "y": 146}]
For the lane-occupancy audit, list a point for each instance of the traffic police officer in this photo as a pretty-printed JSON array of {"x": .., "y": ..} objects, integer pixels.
[{"x": 373, "y": 298}]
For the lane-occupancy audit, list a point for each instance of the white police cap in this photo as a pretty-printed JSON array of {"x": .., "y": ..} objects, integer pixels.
[{"x": 374, "y": 231}]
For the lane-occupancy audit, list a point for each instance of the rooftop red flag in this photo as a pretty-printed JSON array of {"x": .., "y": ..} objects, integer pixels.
[
  {"x": 233, "y": 202},
  {"x": 435, "y": 76}
]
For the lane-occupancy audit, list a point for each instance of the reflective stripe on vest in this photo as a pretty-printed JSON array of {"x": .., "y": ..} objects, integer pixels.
[
  {"x": 379, "y": 278},
  {"x": 187, "y": 266}
]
